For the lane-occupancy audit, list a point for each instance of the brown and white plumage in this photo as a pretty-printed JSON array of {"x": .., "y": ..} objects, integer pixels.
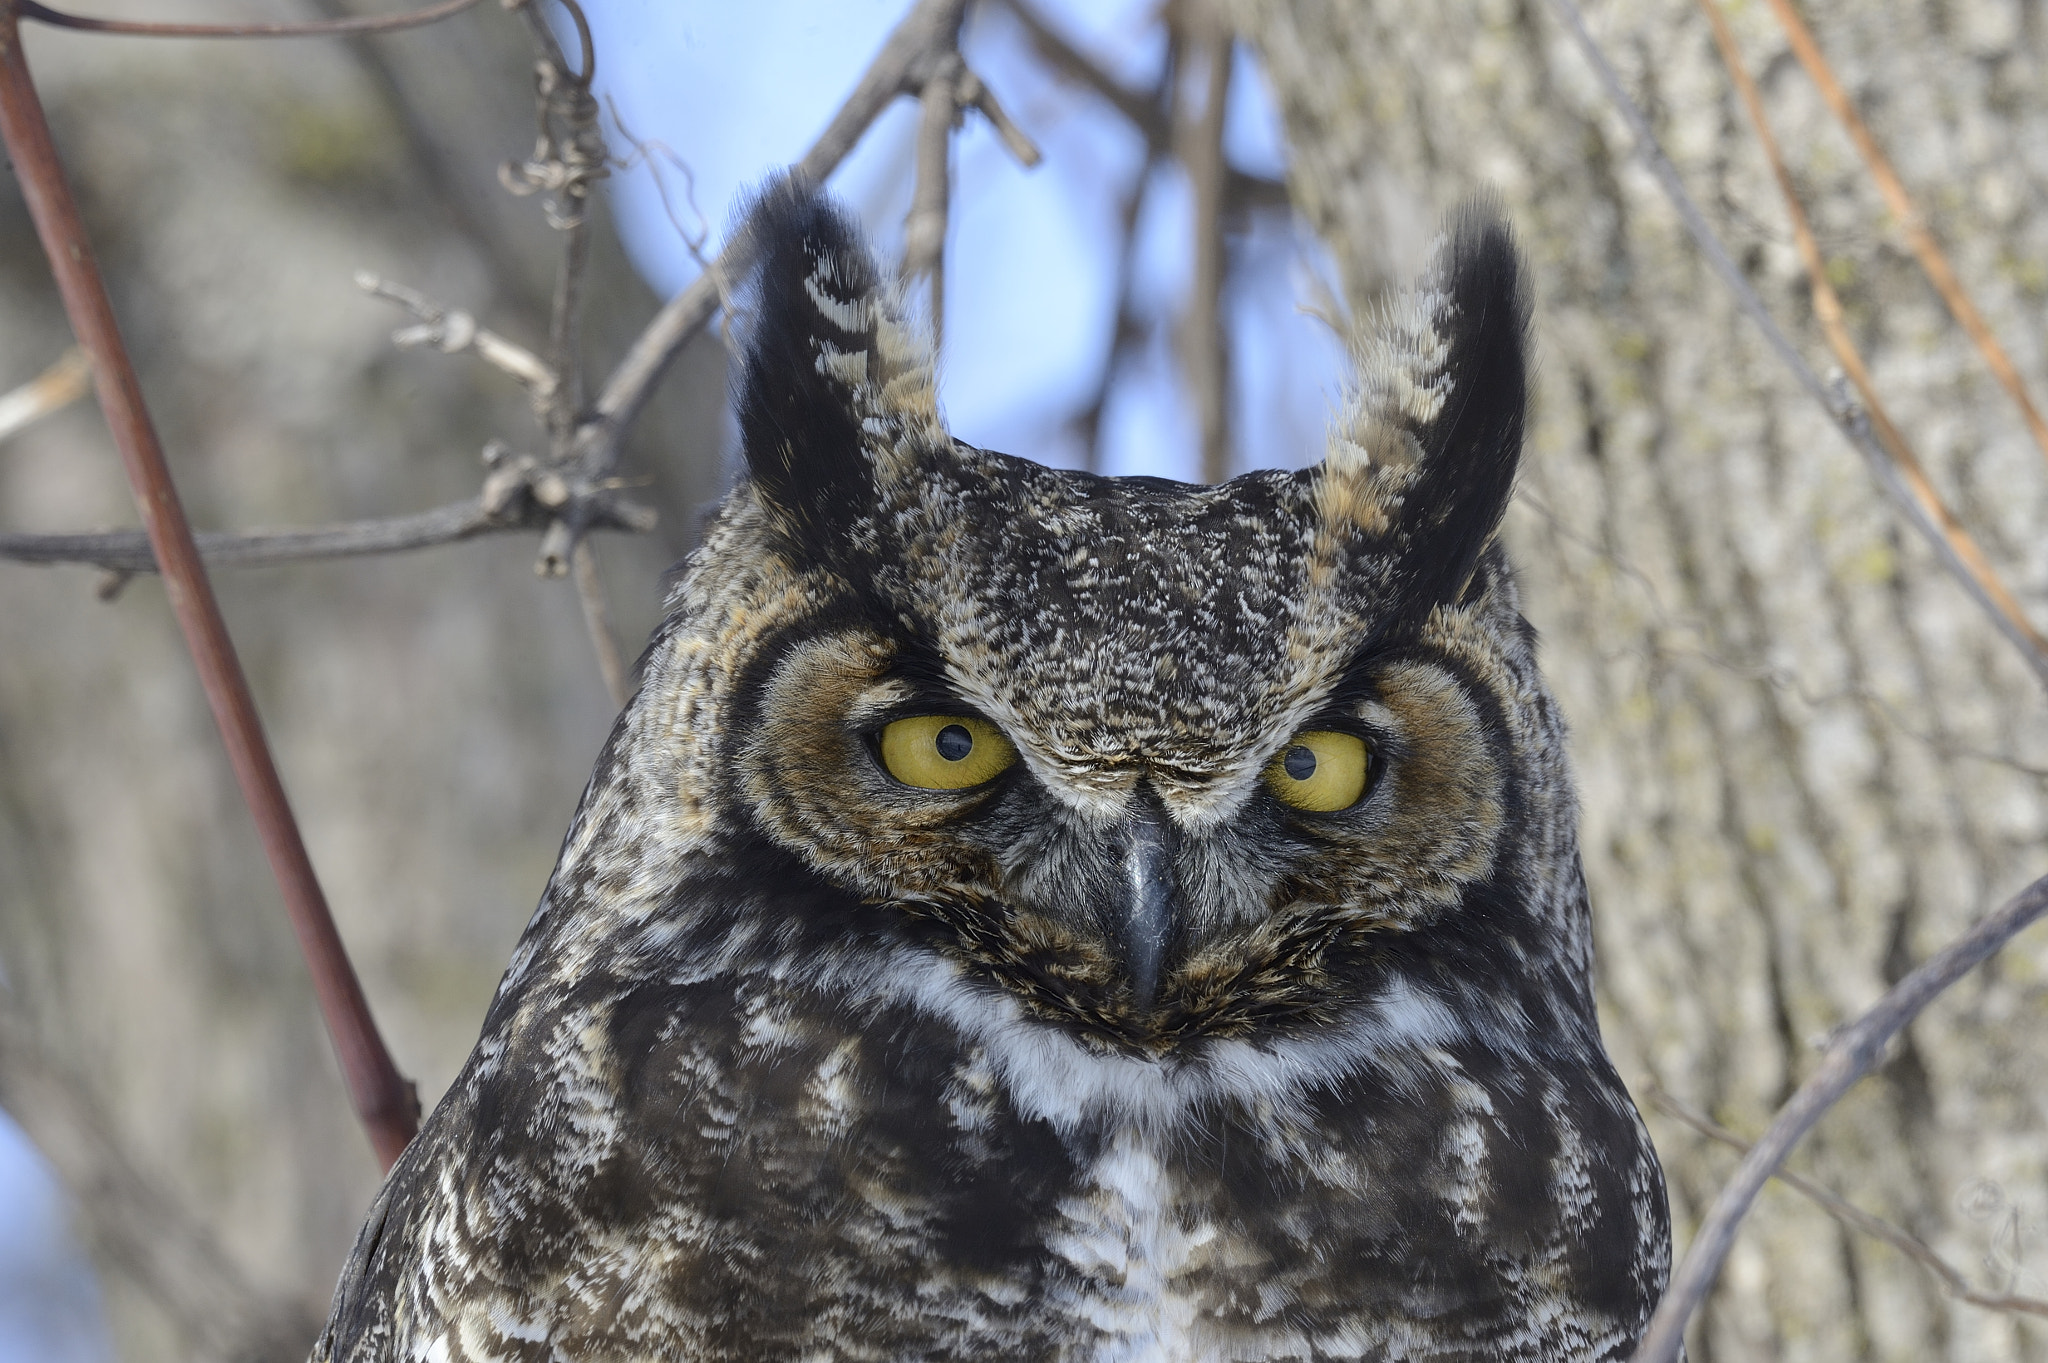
[{"x": 1116, "y": 1055}]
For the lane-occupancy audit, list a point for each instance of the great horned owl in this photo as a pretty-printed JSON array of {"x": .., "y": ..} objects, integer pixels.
[{"x": 1027, "y": 915}]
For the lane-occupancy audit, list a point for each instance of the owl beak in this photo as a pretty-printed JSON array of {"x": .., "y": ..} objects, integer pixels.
[{"x": 1148, "y": 905}]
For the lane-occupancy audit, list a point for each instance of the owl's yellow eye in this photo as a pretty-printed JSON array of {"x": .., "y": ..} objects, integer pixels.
[
  {"x": 945, "y": 752},
  {"x": 1320, "y": 770}
]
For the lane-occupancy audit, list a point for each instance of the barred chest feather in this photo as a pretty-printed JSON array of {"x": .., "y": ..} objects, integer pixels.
[
  {"x": 1282, "y": 1201},
  {"x": 912, "y": 1170}
]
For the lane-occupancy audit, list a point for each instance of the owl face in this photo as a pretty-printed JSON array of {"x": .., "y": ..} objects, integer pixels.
[{"x": 1162, "y": 762}]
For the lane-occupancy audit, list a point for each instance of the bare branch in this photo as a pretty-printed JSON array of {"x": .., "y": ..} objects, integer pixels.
[
  {"x": 1198, "y": 139},
  {"x": 1129, "y": 330},
  {"x": 1849, "y": 1214},
  {"x": 1933, "y": 262},
  {"x": 927, "y": 33},
  {"x": 1141, "y": 111},
  {"x": 384, "y": 1101},
  {"x": 1853, "y": 1052},
  {"x": 653, "y": 153},
  {"x": 320, "y": 28},
  {"x": 1145, "y": 112},
  {"x": 57, "y": 387},
  {"x": 924, "y": 229},
  {"x": 569, "y": 158},
  {"x": 128, "y": 551},
  {"x": 565, "y": 331},
  {"x": 453, "y": 331},
  {"x": 1848, "y": 417},
  {"x": 597, "y": 618},
  {"x": 974, "y": 93},
  {"x": 949, "y": 88},
  {"x": 1827, "y": 307},
  {"x": 520, "y": 493}
]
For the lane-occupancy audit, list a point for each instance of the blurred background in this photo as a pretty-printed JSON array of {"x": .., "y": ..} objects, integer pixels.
[{"x": 1806, "y": 759}]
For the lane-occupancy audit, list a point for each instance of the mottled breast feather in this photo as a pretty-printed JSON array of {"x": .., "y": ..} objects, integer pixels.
[{"x": 1129, "y": 1052}]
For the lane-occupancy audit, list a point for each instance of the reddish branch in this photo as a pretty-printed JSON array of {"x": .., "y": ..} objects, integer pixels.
[
  {"x": 384, "y": 1101},
  {"x": 320, "y": 28}
]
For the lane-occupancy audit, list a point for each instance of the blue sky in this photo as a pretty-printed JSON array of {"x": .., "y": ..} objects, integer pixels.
[
  {"x": 733, "y": 91},
  {"x": 1031, "y": 279}
]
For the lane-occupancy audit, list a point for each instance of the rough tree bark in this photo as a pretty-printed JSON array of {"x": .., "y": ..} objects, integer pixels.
[
  {"x": 1806, "y": 761},
  {"x": 434, "y": 714}
]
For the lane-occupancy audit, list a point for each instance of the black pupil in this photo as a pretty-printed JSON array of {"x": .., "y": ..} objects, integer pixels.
[
  {"x": 955, "y": 743},
  {"x": 1300, "y": 763}
]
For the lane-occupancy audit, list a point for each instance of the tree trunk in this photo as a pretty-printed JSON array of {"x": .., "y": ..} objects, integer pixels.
[{"x": 1806, "y": 760}]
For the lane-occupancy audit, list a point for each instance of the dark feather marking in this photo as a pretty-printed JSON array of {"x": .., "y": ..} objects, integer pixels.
[
  {"x": 797, "y": 426},
  {"x": 1474, "y": 446}
]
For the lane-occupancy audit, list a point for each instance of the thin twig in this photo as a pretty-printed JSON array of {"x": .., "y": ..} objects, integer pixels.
[
  {"x": 1853, "y": 1052},
  {"x": 453, "y": 331},
  {"x": 1199, "y": 141},
  {"x": 57, "y": 387},
  {"x": 384, "y": 1101},
  {"x": 652, "y": 154},
  {"x": 974, "y": 94},
  {"x": 1144, "y": 113},
  {"x": 319, "y": 28},
  {"x": 949, "y": 88},
  {"x": 1827, "y": 307},
  {"x": 128, "y": 551},
  {"x": 1924, "y": 247},
  {"x": 569, "y": 157},
  {"x": 1950, "y": 1277},
  {"x": 924, "y": 229},
  {"x": 598, "y": 620},
  {"x": 1147, "y": 113},
  {"x": 565, "y": 331},
  {"x": 1847, "y": 416},
  {"x": 1128, "y": 330},
  {"x": 519, "y": 494}
]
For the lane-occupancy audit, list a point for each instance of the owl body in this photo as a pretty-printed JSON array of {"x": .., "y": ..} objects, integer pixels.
[{"x": 1047, "y": 917}]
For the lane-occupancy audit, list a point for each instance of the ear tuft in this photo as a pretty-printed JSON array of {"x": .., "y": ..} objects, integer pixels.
[
  {"x": 814, "y": 304},
  {"x": 1434, "y": 434}
]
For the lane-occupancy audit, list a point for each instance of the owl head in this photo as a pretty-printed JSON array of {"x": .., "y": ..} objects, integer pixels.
[{"x": 1159, "y": 762}]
